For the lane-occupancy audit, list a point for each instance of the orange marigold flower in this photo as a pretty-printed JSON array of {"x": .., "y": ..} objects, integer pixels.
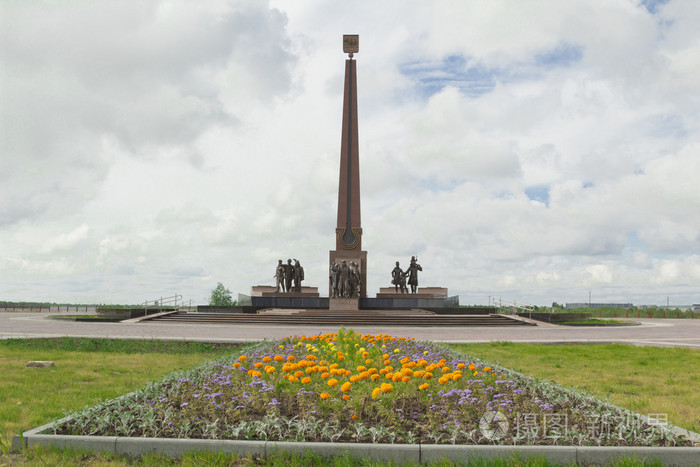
[
  {"x": 472, "y": 367},
  {"x": 299, "y": 374},
  {"x": 460, "y": 366},
  {"x": 423, "y": 386},
  {"x": 293, "y": 378},
  {"x": 279, "y": 358},
  {"x": 346, "y": 386},
  {"x": 386, "y": 387},
  {"x": 354, "y": 378},
  {"x": 376, "y": 392},
  {"x": 236, "y": 365},
  {"x": 258, "y": 365},
  {"x": 368, "y": 361},
  {"x": 445, "y": 369},
  {"x": 375, "y": 377},
  {"x": 428, "y": 375},
  {"x": 267, "y": 359},
  {"x": 332, "y": 382},
  {"x": 269, "y": 369},
  {"x": 346, "y": 397},
  {"x": 365, "y": 354},
  {"x": 325, "y": 395},
  {"x": 325, "y": 375},
  {"x": 242, "y": 358},
  {"x": 405, "y": 379},
  {"x": 488, "y": 368},
  {"x": 361, "y": 368},
  {"x": 290, "y": 358},
  {"x": 306, "y": 380}
]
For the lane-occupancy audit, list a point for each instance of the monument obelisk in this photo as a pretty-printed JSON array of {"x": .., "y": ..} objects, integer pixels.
[{"x": 348, "y": 232}]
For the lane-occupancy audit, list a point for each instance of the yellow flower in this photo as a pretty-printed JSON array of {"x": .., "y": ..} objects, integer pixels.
[
  {"x": 376, "y": 392},
  {"x": 397, "y": 350}
]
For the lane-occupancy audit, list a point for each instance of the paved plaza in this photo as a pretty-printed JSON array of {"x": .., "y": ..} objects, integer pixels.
[{"x": 655, "y": 332}]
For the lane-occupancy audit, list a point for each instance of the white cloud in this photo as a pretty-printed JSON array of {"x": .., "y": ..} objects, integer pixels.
[{"x": 533, "y": 151}]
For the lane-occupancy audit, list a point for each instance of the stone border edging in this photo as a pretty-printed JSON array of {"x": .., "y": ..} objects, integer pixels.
[{"x": 400, "y": 453}]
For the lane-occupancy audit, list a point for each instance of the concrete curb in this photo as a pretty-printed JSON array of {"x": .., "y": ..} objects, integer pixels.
[{"x": 399, "y": 453}]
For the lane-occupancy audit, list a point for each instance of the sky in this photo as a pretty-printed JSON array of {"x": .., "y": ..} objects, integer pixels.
[{"x": 536, "y": 151}]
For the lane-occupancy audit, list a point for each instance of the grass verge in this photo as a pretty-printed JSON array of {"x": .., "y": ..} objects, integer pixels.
[
  {"x": 86, "y": 371},
  {"x": 647, "y": 380}
]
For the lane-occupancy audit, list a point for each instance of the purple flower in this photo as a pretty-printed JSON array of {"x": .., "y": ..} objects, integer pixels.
[{"x": 184, "y": 404}]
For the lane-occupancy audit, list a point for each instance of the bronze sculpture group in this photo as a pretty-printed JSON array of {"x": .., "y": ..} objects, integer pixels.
[
  {"x": 345, "y": 280},
  {"x": 398, "y": 276},
  {"x": 285, "y": 274}
]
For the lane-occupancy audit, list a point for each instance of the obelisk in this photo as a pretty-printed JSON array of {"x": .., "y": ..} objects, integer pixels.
[{"x": 348, "y": 232}]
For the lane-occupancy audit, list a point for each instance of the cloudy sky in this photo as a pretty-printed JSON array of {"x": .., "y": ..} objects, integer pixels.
[{"x": 530, "y": 150}]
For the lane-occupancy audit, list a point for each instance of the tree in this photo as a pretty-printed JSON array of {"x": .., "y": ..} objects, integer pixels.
[{"x": 221, "y": 296}]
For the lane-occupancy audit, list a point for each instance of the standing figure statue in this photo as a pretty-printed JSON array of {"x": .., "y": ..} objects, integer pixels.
[
  {"x": 355, "y": 280},
  {"x": 334, "y": 277},
  {"x": 298, "y": 275},
  {"x": 344, "y": 280},
  {"x": 279, "y": 277},
  {"x": 412, "y": 273},
  {"x": 288, "y": 275},
  {"x": 398, "y": 278}
]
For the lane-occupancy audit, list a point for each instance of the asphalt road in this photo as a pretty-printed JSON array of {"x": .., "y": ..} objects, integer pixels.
[{"x": 654, "y": 332}]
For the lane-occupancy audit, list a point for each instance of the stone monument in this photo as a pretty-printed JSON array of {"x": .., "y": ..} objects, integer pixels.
[{"x": 348, "y": 232}]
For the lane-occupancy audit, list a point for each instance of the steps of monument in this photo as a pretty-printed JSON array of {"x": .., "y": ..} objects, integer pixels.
[{"x": 336, "y": 319}]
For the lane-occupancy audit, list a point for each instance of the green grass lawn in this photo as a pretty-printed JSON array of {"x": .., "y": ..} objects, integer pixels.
[
  {"x": 647, "y": 380},
  {"x": 86, "y": 371}
]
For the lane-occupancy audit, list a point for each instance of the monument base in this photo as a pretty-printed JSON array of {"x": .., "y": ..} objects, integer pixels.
[{"x": 344, "y": 304}]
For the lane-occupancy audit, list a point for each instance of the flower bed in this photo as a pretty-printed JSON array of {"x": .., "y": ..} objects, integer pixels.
[{"x": 364, "y": 388}]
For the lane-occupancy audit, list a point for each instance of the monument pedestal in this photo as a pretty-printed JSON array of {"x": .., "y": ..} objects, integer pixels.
[{"x": 344, "y": 304}]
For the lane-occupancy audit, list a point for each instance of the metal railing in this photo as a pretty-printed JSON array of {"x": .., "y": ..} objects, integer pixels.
[
  {"x": 176, "y": 301},
  {"x": 510, "y": 307}
]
